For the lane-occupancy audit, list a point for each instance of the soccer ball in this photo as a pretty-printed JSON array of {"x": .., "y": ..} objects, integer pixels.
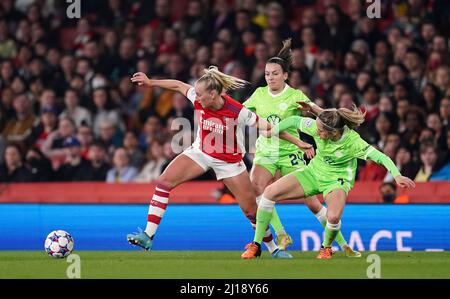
[{"x": 59, "y": 244}]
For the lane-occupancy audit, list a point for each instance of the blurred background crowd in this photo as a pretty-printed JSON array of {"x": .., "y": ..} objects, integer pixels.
[{"x": 69, "y": 112}]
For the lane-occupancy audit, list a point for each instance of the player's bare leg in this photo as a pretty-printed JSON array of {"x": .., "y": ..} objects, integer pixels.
[
  {"x": 316, "y": 207},
  {"x": 241, "y": 187},
  {"x": 180, "y": 170},
  {"x": 261, "y": 178},
  {"x": 336, "y": 202},
  {"x": 287, "y": 187}
]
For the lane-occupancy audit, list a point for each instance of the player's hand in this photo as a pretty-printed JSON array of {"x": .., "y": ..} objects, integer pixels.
[
  {"x": 404, "y": 182},
  {"x": 141, "y": 79},
  {"x": 303, "y": 106},
  {"x": 307, "y": 148}
]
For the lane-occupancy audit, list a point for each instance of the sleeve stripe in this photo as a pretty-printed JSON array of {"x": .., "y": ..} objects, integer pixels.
[{"x": 371, "y": 149}]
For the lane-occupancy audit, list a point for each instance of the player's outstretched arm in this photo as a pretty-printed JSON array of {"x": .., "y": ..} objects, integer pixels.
[
  {"x": 380, "y": 158},
  {"x": 142, "y": 80}
]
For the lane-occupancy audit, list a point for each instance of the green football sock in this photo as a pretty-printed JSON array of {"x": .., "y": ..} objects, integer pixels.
[
  {"x": 330, "y": 235},
  {"x": 276, "y": 223},
  {"x": 262, "y": 221},
  {"x": 339, "y": 238}
]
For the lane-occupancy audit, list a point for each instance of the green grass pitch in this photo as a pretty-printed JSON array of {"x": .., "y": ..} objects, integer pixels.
[{"x": 221, "y": 264}]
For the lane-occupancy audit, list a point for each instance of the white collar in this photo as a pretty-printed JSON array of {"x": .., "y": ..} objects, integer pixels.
[{"x": 286, "y": 86}]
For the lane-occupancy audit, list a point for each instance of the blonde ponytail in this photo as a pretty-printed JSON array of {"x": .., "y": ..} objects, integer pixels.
[
  {"x": 352, "y": 118},
  {"x": 337, "y": 119},
  {"x": 216, "y": 80}
]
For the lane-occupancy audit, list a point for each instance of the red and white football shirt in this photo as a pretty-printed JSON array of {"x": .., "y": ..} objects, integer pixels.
[{"x": 220, "y": 132}]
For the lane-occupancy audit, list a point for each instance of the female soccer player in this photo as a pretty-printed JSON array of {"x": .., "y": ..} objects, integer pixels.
[
  {"x": 275, "y": 102},
  {"x": 218, "y": 146},
  {"x": 331, "y": 172}
]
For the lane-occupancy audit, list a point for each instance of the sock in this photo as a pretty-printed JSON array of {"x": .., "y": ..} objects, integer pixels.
[
  {"x": 275, "y": 221},
  {"x": 263, "y": 217},
  {"x": 331, "y": 231},
  {"x": 158, "y": 206},
  {"x": 322, "y": 217},
  {"x": 267, "y": 239}
]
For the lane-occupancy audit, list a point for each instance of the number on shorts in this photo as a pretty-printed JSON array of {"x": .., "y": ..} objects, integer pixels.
[{"x": 295, "y": 157}]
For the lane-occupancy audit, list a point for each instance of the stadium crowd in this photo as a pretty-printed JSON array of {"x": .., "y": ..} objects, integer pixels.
[{"x": 69, "y": 112}]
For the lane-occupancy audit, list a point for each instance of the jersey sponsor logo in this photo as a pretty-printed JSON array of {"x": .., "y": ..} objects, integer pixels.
[
  {"x": 273, "y": 119},
  {"x": 210, "y": 125}
]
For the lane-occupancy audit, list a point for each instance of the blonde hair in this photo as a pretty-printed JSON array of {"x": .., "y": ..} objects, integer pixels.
[
  {"x": 337, "y": 119},
  {"x": 216, "y": 80}
]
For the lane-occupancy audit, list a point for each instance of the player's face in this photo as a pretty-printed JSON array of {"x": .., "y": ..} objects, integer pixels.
[
  {"x": 205, "y": 97},
  {"x": 275, "y": 76},
  {"x": 323, "y": 134}
]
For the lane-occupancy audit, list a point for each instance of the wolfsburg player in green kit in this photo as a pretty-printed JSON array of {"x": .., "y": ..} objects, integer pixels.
[
  {"x": 275, "y": 102},
  {"x": 331, "y": 172}
]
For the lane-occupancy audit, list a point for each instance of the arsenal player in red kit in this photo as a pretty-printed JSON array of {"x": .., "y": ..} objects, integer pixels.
[{"x": 218, "y": 146}]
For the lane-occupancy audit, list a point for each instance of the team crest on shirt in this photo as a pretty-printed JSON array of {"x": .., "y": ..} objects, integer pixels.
[{"x": 273, "y": 119}]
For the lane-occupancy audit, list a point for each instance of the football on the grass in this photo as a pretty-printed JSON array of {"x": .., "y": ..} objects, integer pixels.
[{"x": 59, "y": 244}]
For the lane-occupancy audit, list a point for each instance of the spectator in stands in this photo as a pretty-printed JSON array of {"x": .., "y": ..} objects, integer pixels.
[
  {"x": 110, "y": 136},
  {"x": 53, "y": 147},
  {"x": 442, "y": 80},
  {"x": 414, "y": 122},
  {"x": 384, "y": 125},
  {"x": 406, "y": 56},
  {"x": 169, "y": 154},
  {"x": 155, "y": 161},
  {"x": 19, "y": 128},
  {"x": 80, "y": 115},
  {"x": 13, "y": 170},
  {"x": 403, "y": 161},
  {"x": 444, "y": 111},
  {"x": 388, "y": 193},
  {"x": 428, "y": 159},
  {"x": 122, "y": 171},
  {"x": 434, "y": 122},
  {"x": 444, "y": 173},
  {"x": 150, "y": 131},
  {"x": 41, "y": 130},
  {"x": 75, "y": 167},
  {"x": 86, "y": 138},
  {"x": 104, "y": 110},
  {"x": 431, "y": 96},
  {"x": 39, "y": 166},
  {"x": 98, "y": 157},
  {"x": 131, "y": 146}
]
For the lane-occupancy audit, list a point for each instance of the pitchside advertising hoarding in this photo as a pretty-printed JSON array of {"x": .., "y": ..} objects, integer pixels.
[{"x": 223, "y": 227}]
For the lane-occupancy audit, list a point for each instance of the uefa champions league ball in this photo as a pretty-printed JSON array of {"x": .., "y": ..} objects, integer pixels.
[{"x": 59, "y": 244}]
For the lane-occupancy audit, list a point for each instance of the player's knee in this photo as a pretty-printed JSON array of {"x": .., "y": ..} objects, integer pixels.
[
  {"x": 165, "y": 181},
  {"x": 333, "y": 217},
  {"x": 270, "y": 192},
  {"x": 258, "y": 187}
]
